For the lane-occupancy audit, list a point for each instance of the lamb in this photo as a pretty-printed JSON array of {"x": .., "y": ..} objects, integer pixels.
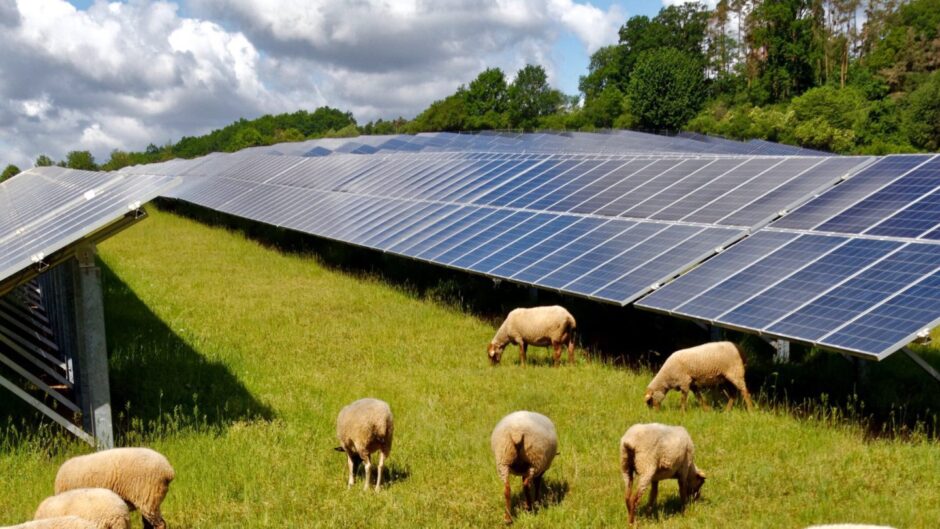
[
  {"x": 140, "y": 476},
  {"x": 62, "y": 522},
  {"x": 656, "y": 452},
  {"x": 542, "y": 326},
  {"x": 524, "y": 443},
  {"x": 698, "y": 367},
  {"x": 362, "y": 428},
  {"x": 101, "y": 506}
]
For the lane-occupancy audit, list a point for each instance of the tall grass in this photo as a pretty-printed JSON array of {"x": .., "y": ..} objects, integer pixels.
[{"x": 233, "y": 359}]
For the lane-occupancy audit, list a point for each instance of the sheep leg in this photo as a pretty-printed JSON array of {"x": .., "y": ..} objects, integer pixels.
[
  {"x": 539, "y": 483},
  {"x": 747, "y": 396},
  {"x": 635, "y": 499},
  {"x": 701, "y": 398},
  {"x": 522, "y": 347},
  {"x": 367, "y": 462},
  {"x": 571, "y": 350},
  {"x": 378, "y": 478},
  {"x": 507, "y": 492},
  {"x": 731, "y": 399},
  {"x": 685, "y": 396},
  {"x": 556, "y": 356},
  {"x": 527, "y": 492},
  {"x": 352, "y": 469},
  {"x": 654, "y": 492}
]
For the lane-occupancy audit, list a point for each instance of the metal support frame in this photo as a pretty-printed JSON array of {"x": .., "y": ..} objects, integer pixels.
[
  {"x": 922, "y": 363},
  {"x": 781, "y": 351},
  {"x": 91, "y": 364}
]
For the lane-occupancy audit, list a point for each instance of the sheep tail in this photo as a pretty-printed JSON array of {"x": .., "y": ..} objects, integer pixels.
[
  {"x": 741, "y": 354},
  {"x": 629, "y": 464}
]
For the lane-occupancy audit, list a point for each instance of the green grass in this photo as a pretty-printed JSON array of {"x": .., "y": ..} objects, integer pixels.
[{"x": 233, "y": 360}]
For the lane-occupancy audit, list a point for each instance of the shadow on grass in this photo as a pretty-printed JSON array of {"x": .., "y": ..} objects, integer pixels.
[
  {"x": 553, "y": 493},
  {"x": 664, "y": 509},
  {"x": 159, "y": 384}
]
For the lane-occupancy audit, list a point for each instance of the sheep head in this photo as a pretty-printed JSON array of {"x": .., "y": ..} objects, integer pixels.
[
  {"x": 653, "y": 398},
  {"x": 495, "y": 353},
  {"x": 696, "y": 480}
]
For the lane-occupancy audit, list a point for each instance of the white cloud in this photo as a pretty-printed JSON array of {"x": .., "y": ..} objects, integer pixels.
[{"x": 123, "y": 74}]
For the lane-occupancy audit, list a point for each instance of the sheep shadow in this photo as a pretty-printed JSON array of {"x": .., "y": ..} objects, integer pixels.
[
  {"x": 553, "y": 493},
  {"x": 392, "y": 475},
  {"x": 159, "y": 383}
]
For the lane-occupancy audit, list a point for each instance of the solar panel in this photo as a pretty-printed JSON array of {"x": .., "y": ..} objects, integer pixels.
[
  {"x": 49, "y": 208},
  {"x": 851, "y": 270}
]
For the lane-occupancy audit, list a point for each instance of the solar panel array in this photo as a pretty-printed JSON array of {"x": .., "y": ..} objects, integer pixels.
[
  {"x": 614, "y": 142},
  {"x": 601, "y": 226},
  {"x": 45, "y": 209},
  {"x": 856, "y": 269}
]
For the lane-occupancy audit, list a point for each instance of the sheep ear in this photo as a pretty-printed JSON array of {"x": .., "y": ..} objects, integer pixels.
[{"x": 339, "y": 449}]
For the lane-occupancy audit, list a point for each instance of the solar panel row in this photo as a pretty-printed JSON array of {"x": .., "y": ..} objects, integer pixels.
[
  {"x": 856, "y": 269},
  {"x": 47, "y": 208}
]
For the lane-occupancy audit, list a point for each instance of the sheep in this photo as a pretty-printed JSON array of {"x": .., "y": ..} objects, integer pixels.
[
  {"x": 524, "y": 443},
  {"x": 542, "y": 326},
  {"x": 61, "y": 522},
  {"x": 656, "y": 452},
  {"x": 696, "y": 368},
  {"x": 140, "y": 476},
  {"x": 363, "y": 427},
  {"x": 101, "y": 506}
]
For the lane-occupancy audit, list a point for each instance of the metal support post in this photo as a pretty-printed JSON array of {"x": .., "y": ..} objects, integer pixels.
[
  {"x": 781, "y": 351},
  {"x": 94, "y": 390}
]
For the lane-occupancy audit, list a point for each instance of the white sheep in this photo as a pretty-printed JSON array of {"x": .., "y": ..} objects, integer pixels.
[
  {"x": 699, "y": 367},
  {"x": 542, "y": 326},
  {"x": 61, "y": 522},
  {"x": 140, "y": 476},
  {"x": 101, "y": 506},
  {"x": 524, "y": 444},
  {"x": 363, "y": 427},
  {"x": 656, "y": 452}
]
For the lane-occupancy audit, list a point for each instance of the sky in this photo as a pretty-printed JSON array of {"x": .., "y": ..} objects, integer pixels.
[{"x": 98, "y": 76}]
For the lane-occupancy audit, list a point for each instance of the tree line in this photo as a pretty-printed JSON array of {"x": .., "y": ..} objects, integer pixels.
[{"x": 847, "y": 76}]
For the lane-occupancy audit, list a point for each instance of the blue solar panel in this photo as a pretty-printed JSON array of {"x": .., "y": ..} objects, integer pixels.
[
  {"x": 861, "y": 185},
  {"x": 805, "y": 283},
  {"x": 527, "y": 241},
  {"x": 742, "y": 285},
  {"x": 563, "y": 255},
  {"x": 717, "y": 270},
  {"x": 887, "y": 201},
  {"x": 465, "y": 250},
  {"x": 546, "y": 245},
  {"x": 848, "y": 300},
  {"x": 892, "y": 324}
]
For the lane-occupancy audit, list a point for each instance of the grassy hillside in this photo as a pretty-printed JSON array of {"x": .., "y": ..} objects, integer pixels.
[{"x": 233, "y": 360}]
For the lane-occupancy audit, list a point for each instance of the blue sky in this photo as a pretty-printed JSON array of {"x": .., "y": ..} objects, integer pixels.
[{"x": 99, "y": 76}]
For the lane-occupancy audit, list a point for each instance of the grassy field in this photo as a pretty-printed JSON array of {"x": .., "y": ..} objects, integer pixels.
[{"x": 233, "y": 360}]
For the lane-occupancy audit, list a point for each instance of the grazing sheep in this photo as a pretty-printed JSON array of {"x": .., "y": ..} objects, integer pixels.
[
  {"x": 656, "y": 452},
  {"x": 101, "y": 506},
  {"x": 542, "y": 326},
  {"x": 698, "y": 367},
  {"x": 62, "y": 522},
  {"x": 524, "y": 443},
  {"x": 140, "y": 476},
  {"x": 362, "y": 428}
]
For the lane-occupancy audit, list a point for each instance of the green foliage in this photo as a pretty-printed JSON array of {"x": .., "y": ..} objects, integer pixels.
[
  {"x": 487, "y": 94},
  {"x": 840, "y": 108},
  {"x": 448, "y": 114},
  {"x": 605, "y": 108},
  {"x": 9, "y": 172},
  {"x": 922, "y": 115},
  {"x": 43, "y": 161},
  {"x": 80, "y": 160},
  {"x": 530, "y": 98},
  {"x": 666, "y": 89}
]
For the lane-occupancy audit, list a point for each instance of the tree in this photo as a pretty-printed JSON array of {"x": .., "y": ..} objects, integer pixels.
[
  {"x": 530, "y": 97},
  {"x": 487, "y": 93},
  {"x": 781, "y": 51},
  {"x": 448, "y": 114},
  {"x": 603, "y": 109},
  {"x": 80, "y": 160},
  {"x": 43, "y": 161},
  {"x": 666, "y": 89},
  {"x": 10, "y": 171},
  {"x": 922, "y": 116}
]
